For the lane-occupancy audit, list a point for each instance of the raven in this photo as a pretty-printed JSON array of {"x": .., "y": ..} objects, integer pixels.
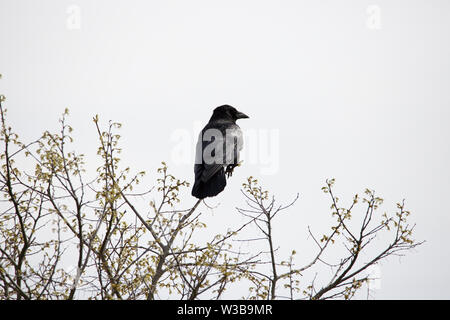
[{"x": 217, "y": 151}]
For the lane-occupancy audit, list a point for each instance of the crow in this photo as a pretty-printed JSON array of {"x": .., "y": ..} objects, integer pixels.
[{"x": 217, "y": 151}]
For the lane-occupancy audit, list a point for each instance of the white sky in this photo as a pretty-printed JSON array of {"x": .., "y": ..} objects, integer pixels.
[{"x": 367, "y": 104}]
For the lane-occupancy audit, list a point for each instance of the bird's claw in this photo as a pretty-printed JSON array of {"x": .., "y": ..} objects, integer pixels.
[{"x": 229, "y": 170}]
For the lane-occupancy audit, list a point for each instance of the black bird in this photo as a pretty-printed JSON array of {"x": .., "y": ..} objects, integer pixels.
[{"x": 217, "y": 151}]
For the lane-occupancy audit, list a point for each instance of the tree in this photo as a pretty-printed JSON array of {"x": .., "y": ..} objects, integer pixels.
[{"x": 51, "y": 214}]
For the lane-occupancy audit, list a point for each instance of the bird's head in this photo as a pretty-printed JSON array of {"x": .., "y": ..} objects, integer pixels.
[{"x": 228, "y": 112}]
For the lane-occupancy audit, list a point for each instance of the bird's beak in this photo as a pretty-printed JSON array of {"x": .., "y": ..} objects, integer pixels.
[{"x": 240, "y": 115}]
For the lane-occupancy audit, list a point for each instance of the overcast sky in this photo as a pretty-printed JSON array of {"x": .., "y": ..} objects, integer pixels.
[{"x": 355, "y": 90}]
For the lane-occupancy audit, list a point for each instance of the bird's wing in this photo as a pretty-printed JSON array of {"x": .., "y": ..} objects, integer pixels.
[
  {"x": 226, "y": 146},
  {"x": 212, "y": 159},
  {"x": 219, "y": 152},
  {"x": 210, "y": 170}
]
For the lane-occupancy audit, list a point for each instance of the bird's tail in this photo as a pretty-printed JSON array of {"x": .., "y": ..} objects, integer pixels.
[{"x": 210, "y": 188}]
